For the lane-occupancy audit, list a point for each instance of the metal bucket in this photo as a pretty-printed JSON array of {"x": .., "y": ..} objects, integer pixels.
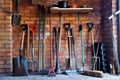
[{"x": 62, "y": 4}]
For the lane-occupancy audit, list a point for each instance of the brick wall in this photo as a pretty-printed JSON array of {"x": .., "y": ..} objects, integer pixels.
[
  {"x": 5, "y": 37},
  {"x": 29, "y": 14},
  {"x": 109, "y": 7}
]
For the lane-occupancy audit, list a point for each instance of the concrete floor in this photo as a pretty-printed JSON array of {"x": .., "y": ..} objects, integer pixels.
[{"x": 60, "y": 77}]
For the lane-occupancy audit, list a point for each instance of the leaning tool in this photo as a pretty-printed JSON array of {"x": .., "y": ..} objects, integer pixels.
[
  {"x": 82, "y": 46},
  {"x": 33, "y": 63},
  {"x": 90, "y": 28},
  {"x": 43, "y": 71},
  {"x": 20, "y": 67},
  {"x": 39, "y": 31},
  {"x": 59, "y": 45},
  {"x": 93, "y": 72},
  {"x": 70, "y": 61},
  {"x": 56, "y": 32},
  {"x": 67, "y": 29},
  {"x": 115, "y": 52},
  {"x": 74, "y": 48},
  {"x": 51, "y": 72},
  {"x": 60, "y": 35}
]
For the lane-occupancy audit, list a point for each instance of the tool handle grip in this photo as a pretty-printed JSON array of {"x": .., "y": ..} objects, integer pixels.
[
  {"x": 80, "y": 27},
  {"x": 90, "y": 26}
]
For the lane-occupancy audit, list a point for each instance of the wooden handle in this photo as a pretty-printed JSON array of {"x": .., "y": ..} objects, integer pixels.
[
  {"x": 60, "y": 38},
  {"x": 28, "y": 38},
  {"x": 23, "y": 36}
]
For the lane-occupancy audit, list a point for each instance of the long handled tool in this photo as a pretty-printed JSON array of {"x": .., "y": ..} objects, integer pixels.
[
  {"x": 43, "y": 71},
  {"x": 71, "y": 62},
  {"x": 33, "y": 29},
  {"x": 20, "y": 67},
  {"x": 23, "y": 61},
  {"x": 93, "y": 72},
  {"x": 115, "y": 53},
  {"x": 43, "y": 46},
  {"x": 58, "y": 70},
  {"x": 68, "y": 60},
  {"x": 100, "y": 51},
  {"x": 56, "y": 31},
  {"x": 71, "y": 68},
  {"x": 74, "y": 48},
  {"x": 90, "y": 28},
  {"x": 39, "y": 29},
  {"x": 59, "y": 47},
  {"x": 52, "y": 68},
  {"x": 82, "y": 45},
  {"x": 67, "y": 29},
  {"x": 70, "y": 51}
]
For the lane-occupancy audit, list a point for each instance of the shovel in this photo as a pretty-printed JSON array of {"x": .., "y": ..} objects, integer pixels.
[{"x": 20, "y": 67}]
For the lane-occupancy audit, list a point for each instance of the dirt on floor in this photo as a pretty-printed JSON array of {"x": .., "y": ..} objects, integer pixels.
[{"x": 60, "y": 77}]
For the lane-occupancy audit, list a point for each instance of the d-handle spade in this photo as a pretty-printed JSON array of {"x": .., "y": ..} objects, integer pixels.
[
  {"x": 74, "y": 48},
  {"x": 90, "y": 26}
]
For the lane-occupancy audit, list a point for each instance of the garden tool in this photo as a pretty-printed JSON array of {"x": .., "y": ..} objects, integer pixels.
[
  {"x": 90, "y": 28},
  {"x": 43, "y": 71},
  {"x": 51, "y": 72},
  {"x": 71, "y": 61},
  {"x": 39, "y": 29},
  {"x": 115, "y": 52},
  {"x": 56, "y": 31},
  {"x": 82, "y": 45},
  {"x": 20, "y": 67},
  {"x": 59, "y": 45},
  {"x": 33, "y": 29},
  {"x": 74, "y": 48},
  {"x": 16, "y": 17}
]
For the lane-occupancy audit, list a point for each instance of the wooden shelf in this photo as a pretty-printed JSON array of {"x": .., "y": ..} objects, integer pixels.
[{"x": 70, "y": 10}]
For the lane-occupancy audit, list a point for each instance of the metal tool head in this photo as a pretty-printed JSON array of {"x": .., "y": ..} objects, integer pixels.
[
  {"x": 51, "y": 72},
  {"x": 33, "y": 28},
  {"x": 16, "y": 19}
]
